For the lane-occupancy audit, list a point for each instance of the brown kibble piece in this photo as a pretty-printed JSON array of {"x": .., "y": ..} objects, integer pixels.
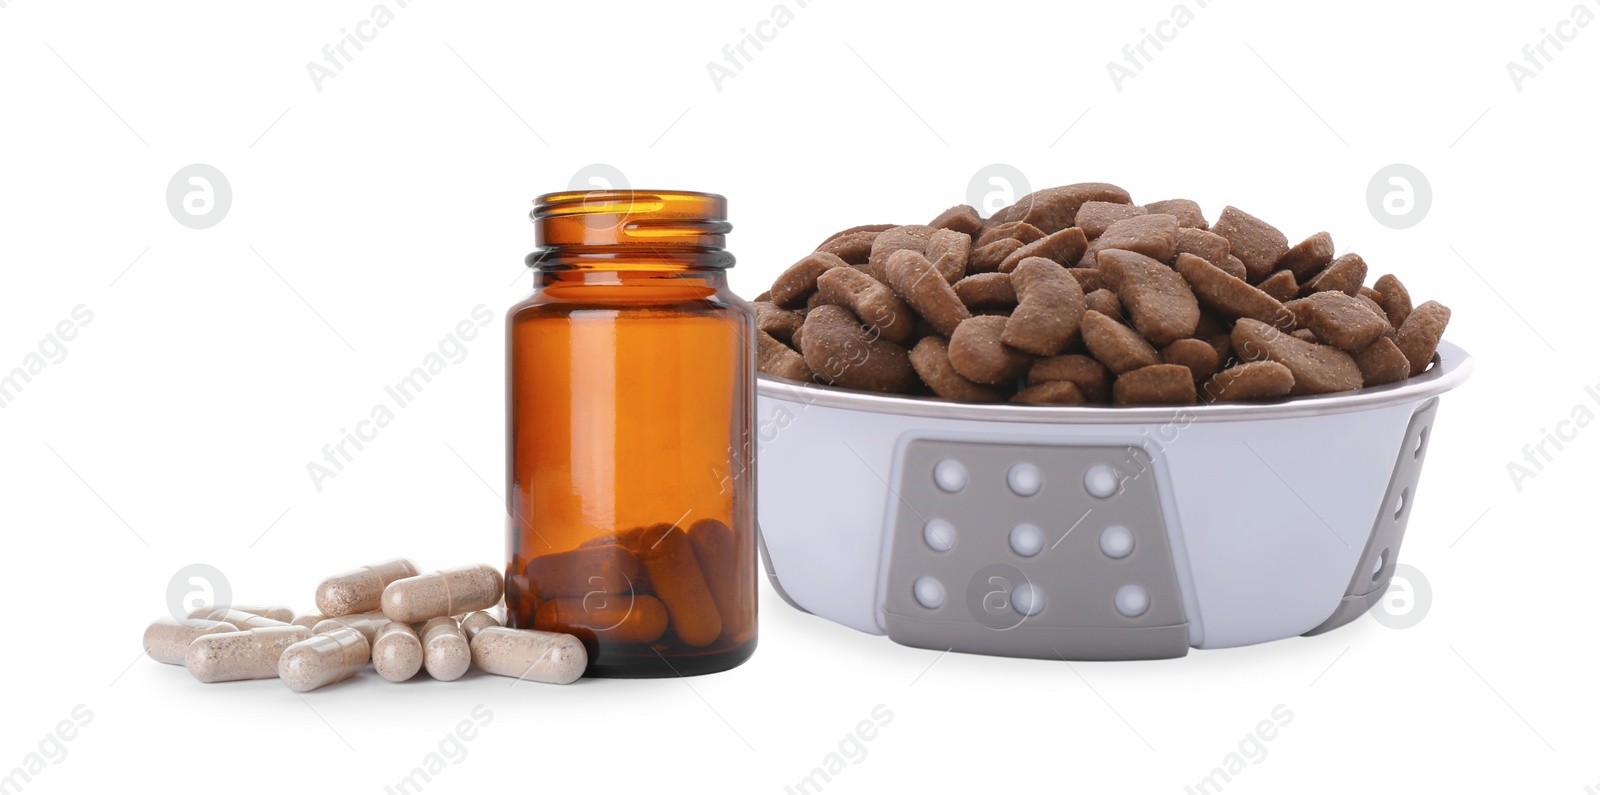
[
  {"x": 1280, "y": 285},
  {"x": 1255, "y": 242},
  {"x": 1104, "y": 301},
  {"x": 1317, "y": 368},
  {"x": 1308, "y": 257},
  {"x": 1088, "y": 279},
  {"x": 872, "y": 301},
  {"x": 1396, "y": 300},
  {"x": 1345, "y": 275},
  {"x": 977, "y": 353},
  {"x": 1022, "y": 231},
  {"x": 986, "y": 290},
  {"x": 780, "y": 323},
  {"x": 1228, "y": 296},
  {"x": 1232, "y": 266},
  {"x": 916, "y": 280},
  {"x": 1382, "y": 363},
  {"x": 1155, "y": 236},
  {"x": 799, "y": 281},
  {"x": 1049, "y": 308},
  {"x": 914, "y": 237},
  {"x": 1305, "y": 334},
  {"x": 1341, "y": 321},
  {"x": 839, "y": 351},
  {"x": 1095, "y": 217},
  {"x": 1065, "y": 247},
  {"x": 1050, "y": 393},
  {"x": 1055, "y": 209},
  {"x": 931, "y": 358},
  {"x": 961, "y": 218},
  {"x": 1187, "y": 212},
  {"x": 1115, "y": 345},
  {"x": 1209, "y": 246},
  {"x": 1197, "y": 355},
  {"x": 1262, "y": 380},
  {"x": 1092, "y": 377},
  {"x": 871, "y": 229},
  {"x": 987, "y": 259},
  {"x": 855, "y": 248},
  {"x": 1157, "y": 384},
  {"x": 1419, "y": 336},
  {"x": 949, "y": 251},
  {"x": 1157, "y": 298}
]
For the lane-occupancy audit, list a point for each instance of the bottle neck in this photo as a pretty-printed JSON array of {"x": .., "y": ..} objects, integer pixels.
[{"x": 673, "y": 232}]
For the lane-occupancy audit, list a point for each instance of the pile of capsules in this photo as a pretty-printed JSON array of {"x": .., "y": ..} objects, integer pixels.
[{"x": 389, "y": 613}]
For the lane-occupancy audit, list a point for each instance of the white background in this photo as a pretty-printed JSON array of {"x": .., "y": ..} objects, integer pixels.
[{"x": 370, "y": 217}]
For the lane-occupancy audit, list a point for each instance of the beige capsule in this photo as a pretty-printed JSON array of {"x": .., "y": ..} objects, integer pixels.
[
  {"x": 323, "y": 659},
  {"x": 308, "y": 620},
  {"x": 397, "y": 652},
  {"x": 472, "y": 622},
  {"x": 247, "y": 654},
  {"x": 244, "y": 620},
  {"x": 445, "y": 651},
  {"x": 447, "y": 592},
  {"x": 361, "y": 590},
  {"x": 274, "y": 612},
  {"x": 367, "y": 624},
  {"x": 552, "y": 657},
  {"x": 166, "y": 640}
]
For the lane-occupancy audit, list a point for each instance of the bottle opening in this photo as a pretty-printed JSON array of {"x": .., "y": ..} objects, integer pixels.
[{"x": 629, "y": 217}]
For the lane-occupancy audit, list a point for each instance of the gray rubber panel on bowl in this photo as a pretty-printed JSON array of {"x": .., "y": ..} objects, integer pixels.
[
  {"x": 1370, "y": 581},
  {"x": 1078, "y": 580}
]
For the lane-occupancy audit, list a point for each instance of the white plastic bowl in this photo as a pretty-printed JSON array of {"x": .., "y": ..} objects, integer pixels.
[{"x": 1280, "y": 519}]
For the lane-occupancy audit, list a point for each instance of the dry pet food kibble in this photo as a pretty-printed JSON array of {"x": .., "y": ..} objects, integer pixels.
[
  {"x": 1168, "y": 308},
  {"x": 443, "y": 593},
  {"x": 361, "y": 590}
]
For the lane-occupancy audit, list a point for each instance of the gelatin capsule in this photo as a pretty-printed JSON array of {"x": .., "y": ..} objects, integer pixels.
[
  {"x": 274, "y": 612},
  {"x": 367, "y": 624},
  {"x": 323, "y": 659},
  {"x": 675, "y": 578},
  {"x": 447, "y": 592},
  {"x": 247, "y": 654},
  {"x": 445, "y": 652},
  {"x": 308, "y": 620},
  {"x": 397, "y": 652},
  {"x": 167, "y": 639},
  {"x": 551, "y": 657},
  {"x": 618, "y": 618},
  {"x": 586, "y": 570},
  {"x": 716, "y": 549},
  {"x": 244, "y": 620},
  {"x": 472, "y": 622},
  {"x": 361, "y": 590}
]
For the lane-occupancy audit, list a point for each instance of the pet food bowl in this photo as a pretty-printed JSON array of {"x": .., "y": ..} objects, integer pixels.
[{"x": 1090, "y": 532}]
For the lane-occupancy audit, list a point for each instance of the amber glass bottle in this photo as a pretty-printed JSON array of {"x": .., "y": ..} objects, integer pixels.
[{"x": 631, "y": 486}]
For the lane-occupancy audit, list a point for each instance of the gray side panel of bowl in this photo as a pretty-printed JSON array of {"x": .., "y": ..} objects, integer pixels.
[
  {"x": 1079, "y": 580},
  {"x": 772, "y": 576},
  {"x": 1370, "y": 581}
]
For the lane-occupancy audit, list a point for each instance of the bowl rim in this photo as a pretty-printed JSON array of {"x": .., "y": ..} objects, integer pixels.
[{"x": 1451, "y": 366}]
